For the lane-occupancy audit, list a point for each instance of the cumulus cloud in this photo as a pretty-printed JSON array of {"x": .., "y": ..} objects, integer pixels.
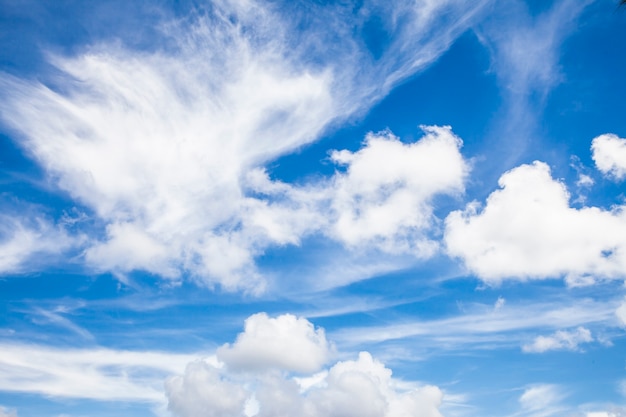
[
  {"x": 158, "y": 143},
  {"x": 362, "y": 387},
  {"x": 201, "y": 391},
  {"x": 286, "y": 342},
  {"x": 560, "y": 340},
  {"x": 527, "y": 230},
  {"x": 609, "y": 154},
  {"x": 385, "y": 195}
]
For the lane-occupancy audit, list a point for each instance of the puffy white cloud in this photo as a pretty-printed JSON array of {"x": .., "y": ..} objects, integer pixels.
[
  {"x": 201, "y": 391},
  {"x": 350, "y": 388},
  {"x": 158, "y": 143},
  {"x": 527, "y": 230},
  {"x": 609, "y": 154},
  {"x": 560, "y": 340},
  {"x": 363, "y": 387},
  {"x": 385, "y": 195},
  {"x": 286, "y": 342}
]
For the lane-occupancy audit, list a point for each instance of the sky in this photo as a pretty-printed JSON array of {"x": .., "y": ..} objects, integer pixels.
[{"x": 312, "y": 208}]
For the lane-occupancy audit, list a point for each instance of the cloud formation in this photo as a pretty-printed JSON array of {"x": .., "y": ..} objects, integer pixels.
[
  {"x": 542, "y": 400},
  {"x": 7, "y": 413},
  {"x": 361, "y": 387},
  {"x": 609, "y": 155},
  {"x": 158, "y": 145},
  {"x": 385, "y": 196},
  {"x": 97, "y": 374},
  {"x": 28, "y": 240},
  {"x": 527, "y": 230},
  {"x": 560, "y": 340},
  {"x": 286, "y": 342}
]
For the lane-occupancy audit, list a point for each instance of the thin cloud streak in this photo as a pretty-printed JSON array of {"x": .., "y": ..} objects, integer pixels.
[{"x": 486, "y": 328}]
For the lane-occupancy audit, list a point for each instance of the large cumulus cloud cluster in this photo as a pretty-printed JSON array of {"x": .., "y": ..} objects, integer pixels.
[{"x": 283, "y": 376}]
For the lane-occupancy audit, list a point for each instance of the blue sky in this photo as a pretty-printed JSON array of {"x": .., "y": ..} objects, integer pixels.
[{"x": 312, "y": 208}]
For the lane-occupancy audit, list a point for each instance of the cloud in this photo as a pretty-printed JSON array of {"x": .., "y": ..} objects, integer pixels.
[
  {"x": 621, "y": 313},
  {"x": 27, "y": 241},
  {"x": 615, "y": 413},
  {"x": 203, "y": 392},
  {"x": 362, "y": 387},
  {"x": 541, "y": 400},
  {"x": 526, "y": 49},
  {"x": 609, "y": 154},
  {"x": 561, "y": 340},
  {"x": 7, "y": 413},
  {"x": 482, "y": 327},
  {"x": 286, "y": 342},
  {"x": 527, "y": 230},
  {"x": 157, "y": 143},
  {"x": 386, "y": 193},
  {"x": 97, "y": 374}
]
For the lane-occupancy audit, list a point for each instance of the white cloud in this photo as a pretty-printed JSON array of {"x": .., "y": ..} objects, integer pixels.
[
  {"x": 617, "y": 413},
  {"x": 286, "y": 342},
  {"x": 542, "y": 400},
  {"x": 482, "y": 327},
  {"x": 158, "y": 144},
  {"x": 386, "y": 194},
  {"x": 526, "y": 49},
  {"x": 609, "y": 154},
  {"x": 7, "y": 413},
  {"x": 362, "y": 388},
  {"x": 621, "y": 313},
  {"x": 560, "y": 340},
  {"x": 97, "y": 374},
  {"x": 24, "y": 238},
  {"x": 527, "y": 230},
  {"x": 201, "y": 391}
]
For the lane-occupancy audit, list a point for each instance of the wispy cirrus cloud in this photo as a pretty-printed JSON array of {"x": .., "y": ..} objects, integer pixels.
[
  {"x": 560, "y": 340},
  {"x": 484, "y": 328},
  {"x": 99, "y": 374},
  {"x": 157, "y": 143}
]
